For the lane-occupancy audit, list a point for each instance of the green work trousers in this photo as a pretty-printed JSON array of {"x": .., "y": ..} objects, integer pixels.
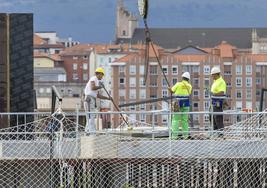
[{"x": 180, "y": 124}]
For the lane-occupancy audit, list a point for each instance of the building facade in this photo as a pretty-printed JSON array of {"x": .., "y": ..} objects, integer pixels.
[{"x": 243, "y": 72}]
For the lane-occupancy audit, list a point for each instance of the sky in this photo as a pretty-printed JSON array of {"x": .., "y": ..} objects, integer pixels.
[{"x": 93, "y": 21}]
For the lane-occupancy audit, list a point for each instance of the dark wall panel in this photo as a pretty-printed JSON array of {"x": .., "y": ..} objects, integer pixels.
[
  {"x": 21, "y": 62},
  {"x": 16, "y": 67},
  {"x": 3, "y": 65}
]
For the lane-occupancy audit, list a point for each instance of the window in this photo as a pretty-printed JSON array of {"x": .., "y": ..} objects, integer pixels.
[
  {"x": 207, "y": 82},
  {"x": 206, "y": 118},
  {"x": 248, "y": 69},
  {"x": 142, "y": 69},
  {"x": 132, "y": 82},
  {"x": 206, "y": 105},
  {"x": 195, "y": 104},
  {"x": 248, "y": 104},
  {"x": 142, "y": 117},
  {"x": 206, "y": 94},
  {"x": 75, "y": 57},
  {"x": 122, "y": 69},
  {"x": 74, "y": 66},
  {"x": 196, "y": 69},
  {"x": 238, "y": 69},
  {"x": 75, "y": 76},
  {"x": 122, "y": 81},
  {"x": 196, "y": 117},
  {"x": 196, "y": 82},
  {"x": 132, "y": 94},
  {"x": 141, "y": 82},
  {"x": 186, "y": 68},
  {"x": 248, "y": 94},
  {"x": 153, "y": 82},
  {"x": 165, "y": 69},
  {"x": 153, "y": 69},
  {"x": 122, "y": 92},
  {"x": 48, "y": 90},
  {"x": 238, "y": 82},
  {"x": 164, "y": 83},
  {"x": 41, "y": 90},
  {"x": 228, "y": 84},
  {"x": 109, "y": 60},
  {"x": 123, "y": 33},
  {"x": 142, "y": 107},
  {"x": 85, "y": 57},
  {"x": 85, "y": 66},
  {"x": 258, "y": 92},
  {"x": 206, "y": 69},
  {"x": 248, "y": 82},
  {"x": 164, "y": 118},
  {"x": 258, "y": 81},
  {"x": 132, "y": 69},
  {"x": 164, "y": 93},
  {"x": 238, "y": 94},
  {"x": 175, "y": 70},
  {"x": 85, "y": 76},
  {"x": 174, "y": 81},
  {"x": 142, "y": 93},
  {"x": 70, "y": 92},
  {"x": 239, "y": 105},
  {"x": 195, "y": 92},
  {"x": 258, "y": 68}
]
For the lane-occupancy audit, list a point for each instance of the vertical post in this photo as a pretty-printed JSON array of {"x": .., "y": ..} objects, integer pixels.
[
  {"x": 8, "y": 66},
  {"x": 153, "y": 124},
  {"x": 60, "y": 143},
  {"x": 212, "y": 120},
  {"x": 169, "y": 124},
  {"x": 77, "y": 128},
  {"x": 261, "y": 99}
]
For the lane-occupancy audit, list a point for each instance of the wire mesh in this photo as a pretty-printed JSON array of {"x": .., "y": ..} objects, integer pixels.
[{"x": 55, "y": 152}]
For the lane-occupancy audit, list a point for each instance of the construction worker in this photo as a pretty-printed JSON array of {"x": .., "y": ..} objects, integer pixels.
[
  {"x": 90, "y": 94},
  {"x": 183, "y": 90},
  {"x": 218, "y": 93}
]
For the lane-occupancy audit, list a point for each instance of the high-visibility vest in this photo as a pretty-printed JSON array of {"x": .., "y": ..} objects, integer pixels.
[
  {"x": 218, "y": 86},
  {"x": 182, "y": 89}
]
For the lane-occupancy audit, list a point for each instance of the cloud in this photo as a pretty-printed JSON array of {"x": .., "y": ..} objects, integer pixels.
[{"x": 5, "y": 4}]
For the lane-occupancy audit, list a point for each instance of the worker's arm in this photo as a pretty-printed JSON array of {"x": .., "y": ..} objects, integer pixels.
[
  {"x": 94, "y": 87},
  {"x": 103, "y": 97},
  {"x": 170, "y": 90}
]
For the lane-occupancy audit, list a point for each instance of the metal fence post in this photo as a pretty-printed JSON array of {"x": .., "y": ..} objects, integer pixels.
[{"x": 153, "y": 124}]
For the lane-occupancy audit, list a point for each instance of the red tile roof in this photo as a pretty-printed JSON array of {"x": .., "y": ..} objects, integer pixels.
[
  {"x": 38, "y": 40},
  {"x": 54, "y": 57}
]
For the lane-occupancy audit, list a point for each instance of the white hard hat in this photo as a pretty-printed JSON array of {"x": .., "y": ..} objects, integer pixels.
[
  {"x": 215, "y": 70},
  {"x": 186, "y": 75}
]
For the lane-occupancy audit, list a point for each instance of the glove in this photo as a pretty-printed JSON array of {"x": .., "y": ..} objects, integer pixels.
[{"x": 101, "y": 84}]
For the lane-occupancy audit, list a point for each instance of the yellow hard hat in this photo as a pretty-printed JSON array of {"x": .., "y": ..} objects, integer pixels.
[{"x": 100, "y": 70}]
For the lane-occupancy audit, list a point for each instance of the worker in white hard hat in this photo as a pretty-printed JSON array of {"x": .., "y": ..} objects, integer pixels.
[
  {"x": 182, "y": 90},
  {"x": 91, "y": 92},
  {"x": 218, "y": 93}
]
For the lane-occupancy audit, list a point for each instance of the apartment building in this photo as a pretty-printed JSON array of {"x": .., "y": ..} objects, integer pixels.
[{"x": 243, "y": 72}]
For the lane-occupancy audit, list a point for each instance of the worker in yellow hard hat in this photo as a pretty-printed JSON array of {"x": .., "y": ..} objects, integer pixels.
[
  {"x": 182, "y": 90},
  {"x": 91, "y": 92},
  {"x": 218, "y": 93}
]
